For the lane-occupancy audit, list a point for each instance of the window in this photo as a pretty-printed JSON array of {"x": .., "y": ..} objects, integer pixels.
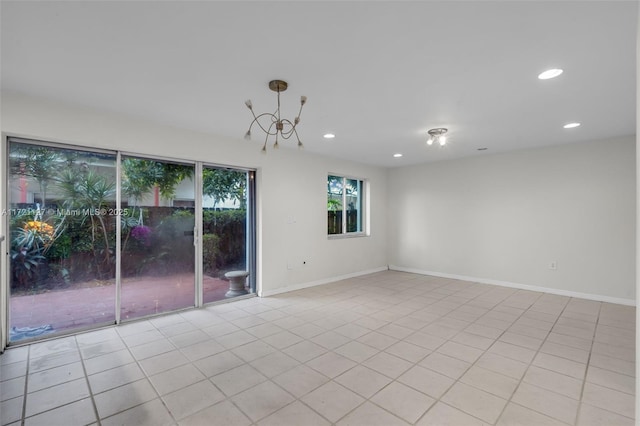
[{"x": 345, "y": 205}]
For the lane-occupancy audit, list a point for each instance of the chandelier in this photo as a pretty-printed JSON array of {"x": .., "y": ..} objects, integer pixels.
[
  {"x": 437, "y": 134},
  {"x": 273, "y": 124}
]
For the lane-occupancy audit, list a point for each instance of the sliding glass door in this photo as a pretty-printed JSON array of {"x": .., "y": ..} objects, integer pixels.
[
  {"x": 157, "y": 248},
  {"x": 99, "y": 237},
  {"x": 62, "y": 236}
]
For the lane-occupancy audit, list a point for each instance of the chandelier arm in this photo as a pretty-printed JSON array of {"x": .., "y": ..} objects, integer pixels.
[
  {"x": 256, "y": 121},
  {"x": 297, "y": 138},
  {"x": 288, "y": 133}
]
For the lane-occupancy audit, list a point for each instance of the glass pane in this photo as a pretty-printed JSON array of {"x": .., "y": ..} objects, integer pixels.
[
  {"x": 334, "y": 204},
  {"x": 158, "y": 255},
  {"x": 353, "y": 198},
  {"x": 62, "y": 239},
  {"x": 224, "y": 229}
]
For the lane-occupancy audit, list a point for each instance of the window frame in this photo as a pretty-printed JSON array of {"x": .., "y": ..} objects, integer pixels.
[{"x": 364, "y": 207}]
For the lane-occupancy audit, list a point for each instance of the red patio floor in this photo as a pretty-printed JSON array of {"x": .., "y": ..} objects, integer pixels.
[{"x": 87, "y": 306}]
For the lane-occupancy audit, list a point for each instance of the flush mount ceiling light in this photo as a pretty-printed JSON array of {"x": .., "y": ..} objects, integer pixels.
[
  {"x": 329, "y": 136},
  {"x": 274, "y": 125},
  {"x": 571, "y": 125},
  {"x": 552, "y": 73},
  {"x": 437, "y": 135},
  {"x": 398, "y": 155}
]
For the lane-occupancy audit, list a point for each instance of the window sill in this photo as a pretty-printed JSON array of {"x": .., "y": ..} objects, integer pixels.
[{"x": 349, "y": 235}]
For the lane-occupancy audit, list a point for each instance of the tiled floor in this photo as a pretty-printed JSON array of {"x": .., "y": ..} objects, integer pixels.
[
  {"x": 87, "y": 306},
  {"x": 385, "y": 349}
]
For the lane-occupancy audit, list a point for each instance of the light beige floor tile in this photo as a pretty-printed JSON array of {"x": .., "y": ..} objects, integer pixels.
[
  {"x": 77, "y": 413},
  {"x": 356, "y": 351},
  {"x": 175, "y": 329},
  {"x": 152, "y": 349},
  {"x": 521, "y": 340},
  {"x": 426, "y": 381},
  {"x": 459, "y": 351},
  {"x": 445, "y": 415},
  {"x": 524, "y": 330},
  {"x": 613, "y": 364},
  {"x": 474, "y": 340},
  {"x": 363, "y": 381},
  {"x": 55, "y": 396},
  {"x": 426, "y": 341},
  {"x": 119, "y": 399},
  {"x": 565, "y": 351},
  {"x": 574, "y": 342},
  {"x": 202, "y": 350},
  {"x": 262, "y": 400},
  {"x": 189, "y": 338},
  {"x": 11, "y": 410},
  {"x": 555, "y": 382},
  {"x": 560, "y": 365},
  {"x": 163, "y": 362},
  {"x": 517, "y": 415},
  {"x": 238, "y": 379},
  {"x": 352, "y": 331},
  {"x": 307, "y": 330},
  {"x": 620, "y": 352},
  {"x": 53, "y": 347},
  {"x": 490, "y": 381},
  {"x": 176, "y": 378},
  {"x": 218, "y": 330},
  {"x": 396, "y": 331},
  {"x": 475, "y": 402},
  {"x": 224, "y": 413},
  {"x": 274, "y": 364},
  {"x": 609, "y": 399},
  {"x": 235, "y": 339},
  {"x": 103, "y": 348},
  {"x": 378, "y": 340},
  {"x": 573, "y": 332},
  {"x": 115, "y": 377},
  {"x": 135, "y": 327},
  {"x": 332, "y": 401},
  {"x": 549, "y": 403},
  {"x": 142, "y": 338},
  {"x": 51, "y": 361},
  {"x": 445, "y": 364},
  {"x": 13, "y": 370},
  {"x": 218, "y": 363},
  {"x": 304, "y": 351},
  {"x": 108, "y": 361},
  {"x": 330, "y": 340},
  {"x": 484, "y": 331},
  {"x": 263, "y": 330},
  {"x": 53, "y": 376},
  {"x": 186, "y": 401},
  {"x": 294, "y": 415},
  {"x": 369, "y": 414},
  {"x": 282, "y": 340},
  {"x": 253, "y": 350},
  {"x": 12, "y": 388},
  {"x": 612, "y": 380},
  {"x": 331, "y": 364},
  {"x": 149, "y": 413},
  {"x": 403, "y": 401},
  {"x": 387, "y": 364},
  {"x": 12, "y": 355},
  {"x": 300, "y": 380},
  {"x": 508, "y": 350},
  {"x": 408, "y": 351},
  {"x": 592, "y": 416}
]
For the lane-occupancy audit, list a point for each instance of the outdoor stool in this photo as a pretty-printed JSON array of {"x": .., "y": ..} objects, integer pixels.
[{"x": 237, "y": 280}]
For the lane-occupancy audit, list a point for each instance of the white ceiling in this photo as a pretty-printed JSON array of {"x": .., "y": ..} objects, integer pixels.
[{"x": 377, "y": 74}]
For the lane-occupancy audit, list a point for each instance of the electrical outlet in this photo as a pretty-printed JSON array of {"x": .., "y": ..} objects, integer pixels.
[{"x": 553, "y": 265}]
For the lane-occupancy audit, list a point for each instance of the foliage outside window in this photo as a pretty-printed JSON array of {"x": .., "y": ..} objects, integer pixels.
[{"x": 345, "y": 210}]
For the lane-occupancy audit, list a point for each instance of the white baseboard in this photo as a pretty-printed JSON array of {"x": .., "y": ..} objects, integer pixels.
[
  {"x": 596, "y": 297},
  {"x": 319, "y": 282}
]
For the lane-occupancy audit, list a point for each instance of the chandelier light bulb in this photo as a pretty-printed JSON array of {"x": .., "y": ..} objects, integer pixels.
[
  {"x": 442, "y": 140},
  {"x": 430, "y": 141}
]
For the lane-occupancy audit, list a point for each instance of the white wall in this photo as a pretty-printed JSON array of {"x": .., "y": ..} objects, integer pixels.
[
  {"x": 292, "y": 185},
  {"x": 505, "y": 217}
]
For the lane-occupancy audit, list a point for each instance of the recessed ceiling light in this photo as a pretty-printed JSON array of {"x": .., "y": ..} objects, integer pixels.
[
  {"x": 571, "y": 125},
  {"x": 482, "y": 149},
  {"x": 398, "y": 155},
  {"x": 552, "y": 73},
  {"x": 329, "y": 136}
]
